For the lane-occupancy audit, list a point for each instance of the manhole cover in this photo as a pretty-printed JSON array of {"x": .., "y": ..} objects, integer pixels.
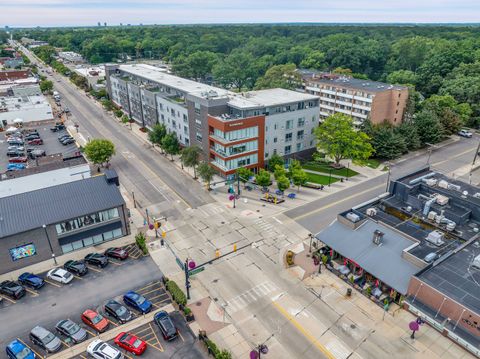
[
  {"x": 353, "y": 326},
  {"x": 198, "y": 304},
  {"x": 215, "y": 281}
]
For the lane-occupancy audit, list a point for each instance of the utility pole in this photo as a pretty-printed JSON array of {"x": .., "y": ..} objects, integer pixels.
[{"x": 187, "y": 278}]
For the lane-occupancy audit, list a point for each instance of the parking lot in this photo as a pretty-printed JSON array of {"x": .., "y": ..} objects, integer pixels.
[
  {"x": 56, "y": 301},
  {"x": 50, "y": 145}
]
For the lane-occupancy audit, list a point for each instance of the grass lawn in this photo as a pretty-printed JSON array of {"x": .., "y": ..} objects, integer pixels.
[
  {"x": 371, "y": 162},
  {"x": 320, "y": 179},
  {"x": 325, "y": 168}
]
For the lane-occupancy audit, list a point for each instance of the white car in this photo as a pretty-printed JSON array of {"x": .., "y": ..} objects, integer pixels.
[
  {"x": 60, "y": 275},
  {"x": 465, "y": 133},
  {"x": 98, "y": 349}
]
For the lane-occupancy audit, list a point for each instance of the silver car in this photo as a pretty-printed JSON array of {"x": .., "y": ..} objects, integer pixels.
[
  {"x": 45, "y": 339},
  {"x": 71, "y": 330}
]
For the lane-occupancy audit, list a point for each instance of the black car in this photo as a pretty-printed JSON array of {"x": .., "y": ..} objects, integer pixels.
[
  {"x": 76, "y": 267},
  {"x": 57, "y": 127},
  {"x": 64, "y": 136},
  {"x": 12, "y": 289},
  {"x": 118, "y": 311},
  {"x": 31, "y": 280},
  {"x": 68, "y": 141},
  {"x": 168, "y": 329},
  {"x": 71, "y": 330},
  {"x": 32, "y": 136},
  {"x": 14, "y": 153},
  {"x": 96, "y": 259}
]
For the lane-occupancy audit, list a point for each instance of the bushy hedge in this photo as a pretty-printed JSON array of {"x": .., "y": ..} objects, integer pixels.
[
  {"x": 140, "y": 241},
  {"x": 177, "y": 294}
]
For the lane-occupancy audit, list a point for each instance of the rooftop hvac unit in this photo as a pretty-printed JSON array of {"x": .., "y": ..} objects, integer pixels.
[
  {"x": 353, "y": 217},
  {"x": 442, "y": 200},
  {"x": 450, "y": 226},
  {"x": 371, "y": 212},
  {"x": 377, "y": 237},
  {"x": 430, "y": 181},
  {"x": 453, "y": 187},
  {"x": 477, "y": 195},
  {"x": 436, "y": 238},
  {"x": 476, "y": 262},
  {"x": 432, "y": 215},
  {"x": 443, "y": 184}
]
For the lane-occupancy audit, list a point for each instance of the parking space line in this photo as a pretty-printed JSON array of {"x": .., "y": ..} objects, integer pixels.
[
  {"x": 112, "y": 322},
  {"x": 141, "y": 331},
  {"x": 181, "y": 336},
  {"x": 31, "y": 291},
  {"x": 54, "y": 284},
  {"x": 78, "y": 277},
  {"x": 147, "y": 286},
  {"x": 84, "y": 357},
  {"x": 33, "y": 350},
  {"x": 115, "y": 262},
  {"x": 94, "y": 269},
  {"x": 89, "y": 332},
  {"x": 162, "y": 303},
  {"x": 158, "y": 341},
  {"x": 160, "y": 295},
  {"x": 151, "y": 291},
  {"x": 155, "y": 305},
  {"x": 10, "y": 300},
  {"x": 68, "y": 346}
]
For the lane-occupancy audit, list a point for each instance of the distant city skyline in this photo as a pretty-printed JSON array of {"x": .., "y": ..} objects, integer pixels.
[{"x": 30, "y": 13}]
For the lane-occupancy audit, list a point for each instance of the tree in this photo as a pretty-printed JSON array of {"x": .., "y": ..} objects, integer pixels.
[
  {"x": 283, "y": 183},
  {"x": 46, "y": 86},
  {"x": 237, "y": 69},
  {"x": 315, "y": 60},
  {"x": 408, "y": 131},
  {"x": 294, "y": 165},
  {"x": 299, "y": 177},
  {"x": 206, "y": 173},
  {"x": 451, "y": 114},
  {"x": 402, "y": 77},
  {"x": 190, "y": 157},
  {"x": 274, "y": 161},
  {"x": 170, "y": 144},
  {"x": 279, "y": 172},
  {"x": 196, "y": 65},
  {"x": 283, "y": 76},
  {"x": 156, "y": 135},
  {"x": 263, "y": 178},
  {"x": 387, "y": 143},
  {"x": 428, "y": 127},
  {"x": 244, "y": 174},
  {"x": 99, "y": 150},
  {"x": 337, "y": 137}
]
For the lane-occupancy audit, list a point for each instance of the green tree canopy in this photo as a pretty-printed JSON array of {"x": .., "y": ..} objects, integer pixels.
[
  {"x": 170, "y": 144},
  {"x": 274, "y": 161},
  {"x": 386, "y": 141},
  {"x": 244, "y": 174},
  {"x": 283, "y": 183},
  {"x": 46, "y": 86},
  {"x": 237, "y": 70},
  {"x": 283, "y": 76},
  {"x": 279, "y": 172},
  {"x": 315, "y": 60},
  {"x": 428, "y": 126},
  {"x": 402, "y": 77},
  {"x": 99, "y": 150},
  {"x": 206, "y": 172},
  {"x": 263, "y": 178},
  {"x": 197, "y": 65},
  {"x": 190, "y": 157},
  {"x": 156, "y": 135},
  {"x": 337, "y": 137}
]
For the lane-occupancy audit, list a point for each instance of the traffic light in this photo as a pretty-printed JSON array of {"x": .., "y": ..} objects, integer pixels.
[
  {"x": 235, "y": 247},
  {"x": 164, "y": 234},
  {"x": 156, "y": 225},
  {"x": 217, "y": 253}
]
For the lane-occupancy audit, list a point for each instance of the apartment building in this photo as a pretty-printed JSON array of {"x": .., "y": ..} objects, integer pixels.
[
  {"x": 361, "y": 99},
  {"x": 233, "y": 129}
]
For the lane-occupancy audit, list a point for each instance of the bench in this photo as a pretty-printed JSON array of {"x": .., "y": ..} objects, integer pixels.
[{"x": 313, "y": 185}]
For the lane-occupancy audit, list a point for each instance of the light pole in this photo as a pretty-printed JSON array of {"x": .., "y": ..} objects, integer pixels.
[
  {"x": 311, "y": 239},
  {"x": 388, "y": 177},
  {"x": 49, "y": 244}
]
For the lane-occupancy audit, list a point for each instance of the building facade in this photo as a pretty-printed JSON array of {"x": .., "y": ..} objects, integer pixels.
[
  {"x": 360, "y": 99},
  {"x": 274, "y": 121}
]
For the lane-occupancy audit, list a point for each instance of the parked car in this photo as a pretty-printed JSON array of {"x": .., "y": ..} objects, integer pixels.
[
  {"x": 65, "y": 135},
  {"x": 117, "y": 253},
  {"x": 15, "y": 142},
  {"x": 71, "y": 330},
  {"x": 118, "y": 311},
  {"x": 45, "y": 339},
  {"x": 164, "y": 322},
  {"x": 60, "y": 275},
  {"x": 18, "y": 159},
  {"x": 36, "y": 153},
  {"x": 137, "y": 302},
  {"x": 15, "y": 153},
  {"x": 98, "y": 349},
  {"x": 66, "y": 110},
  {"x": 18, "y": 350},
  {"x": 76, "y": 267},
  {"x": 12, "y": 289},
  {"x": 31, "y": 280},
  {"x": 30, "y": 131},
  {"x": 35, "y": 142},
  {"x": 57, "y": 127},
  {"x": 68, "y": 141},
  {"x": 32, "y": 136},
  {"x": 15, "y": 166},
  {"x": 95, "y": 320},
  {"x": 465, "y": 133},
  {"x": 130, "y": 343},
  {"x": 16, "y": 148},
  {"x": 97, "y": 259}
]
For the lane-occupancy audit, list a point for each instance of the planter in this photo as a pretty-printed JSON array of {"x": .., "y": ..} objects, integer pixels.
[{"x": 190, "y": 317}]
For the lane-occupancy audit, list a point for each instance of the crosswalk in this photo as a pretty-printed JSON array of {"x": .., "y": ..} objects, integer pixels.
[
  {"x": 209, "y": 210},
  {"x": 263, "y": 225},
  {"x": 241, "y": 301}
]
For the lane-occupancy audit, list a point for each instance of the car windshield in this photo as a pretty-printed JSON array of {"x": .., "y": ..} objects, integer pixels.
[
  {"x": 24, "y": 353},
  {"x": 67, "y": 275},
  {"x": 121, "y": 310},
  {"x": 48, "y": 338},
  {"x": 97, "y": 319},
  {"x": 139, "y": 299},
  {"x": 72, "y": 328},
  {"x": 137, "y": 343}
]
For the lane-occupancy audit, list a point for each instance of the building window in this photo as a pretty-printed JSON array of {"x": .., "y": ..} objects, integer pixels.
[
  {"x": 300, "y": 135},
  {"x": 301, "y": 122},
  {"x": 299, "y": 147},
  {"x": 288, "y": 137},
  {"x": 86, "y": 221},
  {"x": 198, "y": 135},
  {"x": 266, "y": 154},
  {"x": 274, "y": 140},
  {"x": 275, "y": 126},
  {"x": 289, "y": 124},
  {"x": 275, "y": 151},
  {"x": 86, "y": 242},
  {"x": 311, "y": 143},
  {"x": 288, "y": 150}
]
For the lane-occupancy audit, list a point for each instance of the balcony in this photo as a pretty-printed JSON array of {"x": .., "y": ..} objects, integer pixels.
[{"x": 225, "y": 141}]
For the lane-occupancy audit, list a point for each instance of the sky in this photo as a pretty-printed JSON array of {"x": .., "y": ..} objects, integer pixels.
[{"x": 113, "y": 12}]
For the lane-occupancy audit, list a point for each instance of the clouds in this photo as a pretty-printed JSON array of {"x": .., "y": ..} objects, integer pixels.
[{"x": 89, "y": 12}]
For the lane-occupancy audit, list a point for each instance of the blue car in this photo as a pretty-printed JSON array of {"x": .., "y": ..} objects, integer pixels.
[
  {"x": 31, "y": 280},
  {"x": 15, "y": 166},
  {"x": 137, "y": 302},
  {"x": 17, "y": 350}
]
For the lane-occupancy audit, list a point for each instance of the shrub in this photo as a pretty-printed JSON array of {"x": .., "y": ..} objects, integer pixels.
[
  {"x": 217, "y": 353},
  {"x": 118, "y": 113},
  {"x": 324, "y": 259},
  {"x": 140, "y": 241},
  {"x": 369, "y": 291},
  {"x": 187, "y": 311},
  {"x": 289, "y": 258},
  {"x": 177, "y": 294}
]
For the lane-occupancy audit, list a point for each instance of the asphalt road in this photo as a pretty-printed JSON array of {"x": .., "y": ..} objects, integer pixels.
[
  {"x": 318, "y": 214},
  {"x": 55, "y": 302}
]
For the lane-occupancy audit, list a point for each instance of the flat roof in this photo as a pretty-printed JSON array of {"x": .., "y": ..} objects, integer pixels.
[
  {"x": 383, "y": 261},
  {"x": 157, "y": 74},
  {"x": 346, "y": 81},
  {"x": 26, "y": 211},
  {"x": 268, "y": 98},
  {"x": 456, "y": 277}
]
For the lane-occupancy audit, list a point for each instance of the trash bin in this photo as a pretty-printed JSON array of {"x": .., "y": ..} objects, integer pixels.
[{"x": 349, "y": 292}]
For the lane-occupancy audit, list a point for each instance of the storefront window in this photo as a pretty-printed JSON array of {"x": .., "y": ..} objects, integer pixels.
[
  {"x": 87, "y": 220},
  {"x": 69, "y": 247}
]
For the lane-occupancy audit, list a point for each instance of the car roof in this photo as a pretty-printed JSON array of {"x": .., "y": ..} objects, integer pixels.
[
  {"x": 90, "y": 313},
  {"x": 16, "y": 345},
  {"x": 40, "y": 331},
  {"x": 59, "y": 271},
  {"x": 161, "y": 314}
]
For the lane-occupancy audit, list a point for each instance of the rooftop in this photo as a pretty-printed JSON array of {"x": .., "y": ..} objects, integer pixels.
[
  {"x": 15, "y": 103},
  {"x": 268, "y": 98},
  {"x": 350, "y": 82},
  {"x": 456, "y": 277},
  {"x": 30, "y": 210}
]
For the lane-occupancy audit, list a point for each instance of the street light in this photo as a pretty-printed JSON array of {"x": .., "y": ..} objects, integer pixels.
[
  {"x": 50, "y": 244},
  {"x": 311, "y": 239}
]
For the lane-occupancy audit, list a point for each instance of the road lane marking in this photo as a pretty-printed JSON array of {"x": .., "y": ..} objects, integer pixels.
[
  {"x": 10, "y": 300},
  {"x": 54, "y": 284},
  {"x": 33, "y": 350},
  {"x": 181, "y": 336},
  {"x": 158, "y": 341},
  {"x": 302, "y": 330},
  {"x": 452, "y": 157},
  {"x": 337, "y": 202},
  {"x": 31, "y": 291}
]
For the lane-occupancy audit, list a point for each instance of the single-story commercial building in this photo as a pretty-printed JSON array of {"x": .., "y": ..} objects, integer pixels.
[{"x": 40, "y": 224}]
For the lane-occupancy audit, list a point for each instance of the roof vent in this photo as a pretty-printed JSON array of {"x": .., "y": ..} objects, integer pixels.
[
  {"x": 377, "y": 237},
  {"x": 436, "y": 238},
  {"x": 353, "y": 217}
]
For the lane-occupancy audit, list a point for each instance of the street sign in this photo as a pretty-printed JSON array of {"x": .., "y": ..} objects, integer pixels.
[{"x": 196, "y": 271}]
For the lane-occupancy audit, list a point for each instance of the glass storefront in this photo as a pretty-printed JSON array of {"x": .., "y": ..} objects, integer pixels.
[
  {"x": 86, "y": 221},
  {"x": 85, "y": 242}
]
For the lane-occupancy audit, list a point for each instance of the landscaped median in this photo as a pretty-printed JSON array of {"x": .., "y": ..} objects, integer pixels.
[{"x": 109, "y": 335}]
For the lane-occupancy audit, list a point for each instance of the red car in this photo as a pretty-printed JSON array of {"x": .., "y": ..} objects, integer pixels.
[
  {"x": 95, "y": 320},
  {"x": 21, "y": 159},
  {"x": 35, "y": 141},
  {"x": 117, "y": 253},
  {"x": 130, "y": 343}
]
